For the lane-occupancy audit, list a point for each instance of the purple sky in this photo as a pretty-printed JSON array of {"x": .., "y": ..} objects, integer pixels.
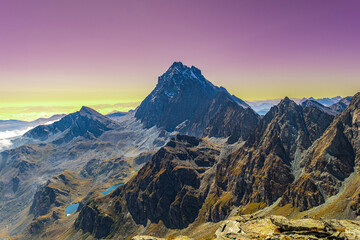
[{"x": 54, "y": 50}]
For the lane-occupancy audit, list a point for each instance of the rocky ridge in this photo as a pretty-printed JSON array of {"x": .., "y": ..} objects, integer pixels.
[
  {"x": 329, "y": 161},
  {"x": 261, "y": 170}
]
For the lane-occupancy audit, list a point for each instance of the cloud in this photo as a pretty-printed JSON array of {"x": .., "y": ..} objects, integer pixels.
[
  {"x": 7, "y": 136},
  {"x": 5, "y": 144}
]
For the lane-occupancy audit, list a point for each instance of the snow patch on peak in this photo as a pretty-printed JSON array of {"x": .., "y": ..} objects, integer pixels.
[{"x": 193, "y": 75}]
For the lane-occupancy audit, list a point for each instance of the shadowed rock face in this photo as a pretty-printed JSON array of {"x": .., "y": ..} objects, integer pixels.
[
  {"x": 49, "y": 202},
  {"x": 181, "y": 101},
  {"x": 55, "y": 193},
  {"x": 171, "y": 188},
  {"x": 92, "y": 220},
  {"x": 262, "y": 170},
  {"x": 173, "y": 185},
  {"x": 329, "y": 161},
  {"x": 230, "y": 120}
]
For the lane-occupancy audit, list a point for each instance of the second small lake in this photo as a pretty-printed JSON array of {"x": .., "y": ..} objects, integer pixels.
[{"x": 107, "y": 191}]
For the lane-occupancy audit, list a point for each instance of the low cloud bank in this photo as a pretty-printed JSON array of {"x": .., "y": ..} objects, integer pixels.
[{"x": 7, "y": 136}]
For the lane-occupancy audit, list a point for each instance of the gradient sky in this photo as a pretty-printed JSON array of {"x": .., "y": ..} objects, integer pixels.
[{"x": 56, "y": 56}]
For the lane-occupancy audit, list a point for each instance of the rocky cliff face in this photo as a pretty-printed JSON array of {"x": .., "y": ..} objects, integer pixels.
[
  {"x": 92, "y": 220},
  {"x": 261, "y": 171},
  {"x": 50, "y": 200},
  {"x": 55, "y": 193},
  {"x": 341, "y": 105},
  {"x": 181, "y": 101},
  {"x": 173, "y": 185},
  {"x": 171, "y": 188},
  {"x": 329, "y": 161},
  {"x": 229, "y": 120}
]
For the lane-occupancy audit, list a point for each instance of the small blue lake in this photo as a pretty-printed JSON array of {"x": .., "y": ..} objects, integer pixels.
[
  {"x": 71, "y": 208},
  {"x": 107, "y": 191}
]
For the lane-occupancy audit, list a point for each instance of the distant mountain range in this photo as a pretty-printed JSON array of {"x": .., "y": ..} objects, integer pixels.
[
  {"x": 10, "y": 125},
  {"x": 190, "y": 156},
  {"x": 263, "y": 106}
]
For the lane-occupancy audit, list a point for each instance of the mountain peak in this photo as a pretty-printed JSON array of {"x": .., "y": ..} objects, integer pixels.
[
  {"x": 286, "y": 101},
  {"x": 179, "y": 74},
  {"x": 86, "y": 111},
  {"x": 86, "y": 123},
  {"x": 181, "y": 96},
  {"x": 177, "y": 65}
]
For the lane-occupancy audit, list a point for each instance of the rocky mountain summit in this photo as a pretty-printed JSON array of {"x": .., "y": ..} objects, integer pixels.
[{"x": 182, "y": 100}]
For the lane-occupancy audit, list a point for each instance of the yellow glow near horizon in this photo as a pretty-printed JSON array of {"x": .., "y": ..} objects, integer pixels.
[
  {"x": 31, "y": 104},
  {"x": 30, "y": 100}
]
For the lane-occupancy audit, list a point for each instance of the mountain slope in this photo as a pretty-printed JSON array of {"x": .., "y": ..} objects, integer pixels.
[
  {"x": 230, "y": 120},
  {"x": 69, "y": 144},
  {"x": 171, "y": 188},
  {"x": 85, "y": 123},
  {"x": 341, "y": 105}
]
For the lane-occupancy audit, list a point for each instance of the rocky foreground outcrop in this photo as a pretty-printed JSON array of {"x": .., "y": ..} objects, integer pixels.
[
  {"x": 278, "y": 227},
  {"x": 248, "y": 227}
]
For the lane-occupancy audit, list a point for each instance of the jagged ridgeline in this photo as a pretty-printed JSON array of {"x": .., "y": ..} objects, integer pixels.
[{"x": 189, "y": 159}]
